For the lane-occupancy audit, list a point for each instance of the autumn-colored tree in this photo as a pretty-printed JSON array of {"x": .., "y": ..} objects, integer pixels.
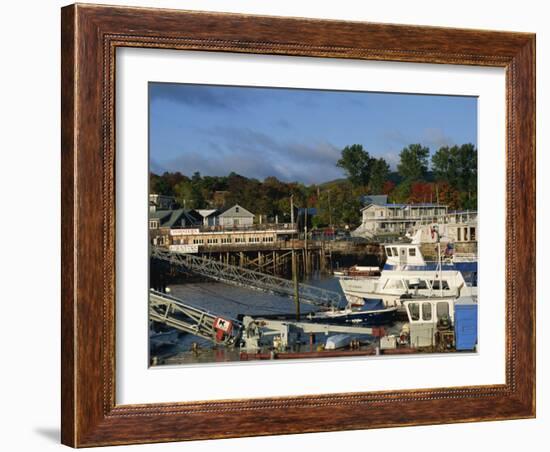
[
  {"x": 421, "y": 192},
  {"x": 388, "y": 187}
]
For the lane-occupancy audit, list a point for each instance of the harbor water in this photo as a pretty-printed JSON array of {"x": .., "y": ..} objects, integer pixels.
[{"x": 234, "y": 302}]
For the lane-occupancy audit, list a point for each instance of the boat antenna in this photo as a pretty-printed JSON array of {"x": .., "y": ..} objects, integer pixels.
[{"x": 435, "y": 232}]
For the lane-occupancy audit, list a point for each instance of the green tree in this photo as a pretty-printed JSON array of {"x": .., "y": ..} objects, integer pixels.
[
  {"x": 413, "y": 162},
  {"x": 379, "y": 173},
  {"x": 457, "y": 165},
  {"x": 356, "y": 162}
]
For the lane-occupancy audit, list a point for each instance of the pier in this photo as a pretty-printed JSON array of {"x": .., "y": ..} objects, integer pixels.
[{"x": 218, "y": 270}]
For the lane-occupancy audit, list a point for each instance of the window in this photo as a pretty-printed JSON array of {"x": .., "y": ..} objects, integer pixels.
[
  {"x": 472, "y": 234},
  {"x": 211, "y": 241},
  {"x": 153, "y": 224},
  {"x": 237, "y": 209},
  {"x": 417, "y": 284},
  {"x": 228, "y": 240},
  {"x": 198, "y": 241},
  {"x": 458, "y": 234},
  {"x": 442, "y": 310},
  {"x": 394, "y": 250},
  {"x": 394, "y": 284},
  {"x": 436, "y": 286},
  {"x": 426, "y": 311},
  {"x": 412, "y": 251},
  {"x": 388, "y": 251},
  {"x": 414, "y": 310}
]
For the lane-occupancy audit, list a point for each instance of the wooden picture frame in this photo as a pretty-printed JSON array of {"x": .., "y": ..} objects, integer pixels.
[{"x": 90, "y": 36}]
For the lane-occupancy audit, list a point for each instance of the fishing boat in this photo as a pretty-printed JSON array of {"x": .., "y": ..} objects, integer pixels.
[
  {"x": 392, "y": 285},
  {"x": 442, "y": 322},
  {"x": 408, "y": 257},
  {"x": 406, "y": 273}
]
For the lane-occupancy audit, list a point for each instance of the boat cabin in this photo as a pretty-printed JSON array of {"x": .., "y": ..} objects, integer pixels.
[
  {"x": 404, "y": 254},
  {"x": 427, "y": 317}
]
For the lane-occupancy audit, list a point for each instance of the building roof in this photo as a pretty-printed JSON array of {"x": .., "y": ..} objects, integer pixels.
[
  {"x": 168, "y": 218},
  {"x": 374, "y": 199},
  {"x": 206, "y": 212},
  {"x": 242, "y": 210},
  {"x": 404, "y": 206}
]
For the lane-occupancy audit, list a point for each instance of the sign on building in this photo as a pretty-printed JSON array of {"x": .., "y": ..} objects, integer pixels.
[
  {"x": 183, "y": 231},
  {"x": 184, "y": 248}
]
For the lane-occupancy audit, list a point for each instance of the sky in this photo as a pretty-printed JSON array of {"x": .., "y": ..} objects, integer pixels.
[{"x": 294, "y": 134}]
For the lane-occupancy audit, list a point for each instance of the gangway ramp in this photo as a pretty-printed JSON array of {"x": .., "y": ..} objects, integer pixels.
[
  {"x": 182, "y": 316},
  {"x": 235, "y": 275}
]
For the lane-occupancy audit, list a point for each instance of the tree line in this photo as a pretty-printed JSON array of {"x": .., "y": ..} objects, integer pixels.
[{"x": 451, "y": 180}]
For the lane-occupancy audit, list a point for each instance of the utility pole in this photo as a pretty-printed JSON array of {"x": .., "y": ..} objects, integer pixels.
[
  {"x": 296, "y": 285},
  {"x": 306, "y": 257},
  {"x": 294, "y": 264},
  {"x": 292, "y": 210},
  {"x": 329, "y": 211}
]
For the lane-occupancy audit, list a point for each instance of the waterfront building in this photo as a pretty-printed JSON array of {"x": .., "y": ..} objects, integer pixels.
[
  {"x": 382, "y": 218},
  {"x": 162, "y": 221}
]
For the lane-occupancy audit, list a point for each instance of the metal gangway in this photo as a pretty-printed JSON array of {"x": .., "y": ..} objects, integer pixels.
[
  {"x": 221, "y": 329},
  {"x": 184, "y": 317},
  {"x": 235, "y": 275}
]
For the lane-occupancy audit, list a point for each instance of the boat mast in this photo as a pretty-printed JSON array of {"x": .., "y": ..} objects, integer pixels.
[{"x": 435, "y": 230}]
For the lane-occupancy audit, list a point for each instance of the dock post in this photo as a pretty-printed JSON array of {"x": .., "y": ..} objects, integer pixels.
[{"x": 296, "y": 289}]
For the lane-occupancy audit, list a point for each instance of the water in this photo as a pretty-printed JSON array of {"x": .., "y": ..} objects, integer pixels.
[{"x": 233, "y": 302}]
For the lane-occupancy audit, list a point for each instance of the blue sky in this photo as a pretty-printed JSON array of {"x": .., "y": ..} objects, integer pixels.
[{"x": 294, "y": 134}]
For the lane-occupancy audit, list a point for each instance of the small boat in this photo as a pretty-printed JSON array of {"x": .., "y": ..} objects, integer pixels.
[
  {"x": 371, "y": 312},
  {"x": 358, "y": 271},
  {"x": 338, "y": 341}
]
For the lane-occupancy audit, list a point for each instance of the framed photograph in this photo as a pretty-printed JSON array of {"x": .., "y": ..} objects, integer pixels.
[{"x": 281, "y": 225}]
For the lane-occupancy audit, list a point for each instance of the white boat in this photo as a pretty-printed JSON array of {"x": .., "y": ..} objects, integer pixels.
[
  {"x": 407, "y": 274},
  {"x": 392, "y": 285}
]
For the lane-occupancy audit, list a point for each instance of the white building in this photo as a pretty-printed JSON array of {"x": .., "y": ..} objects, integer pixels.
[{"x": 385, "y": 218}]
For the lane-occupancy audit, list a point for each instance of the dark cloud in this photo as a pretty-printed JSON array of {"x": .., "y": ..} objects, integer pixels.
[
  {"x": 255, "y": 154},
  {"x": 200, "y": 95}
]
